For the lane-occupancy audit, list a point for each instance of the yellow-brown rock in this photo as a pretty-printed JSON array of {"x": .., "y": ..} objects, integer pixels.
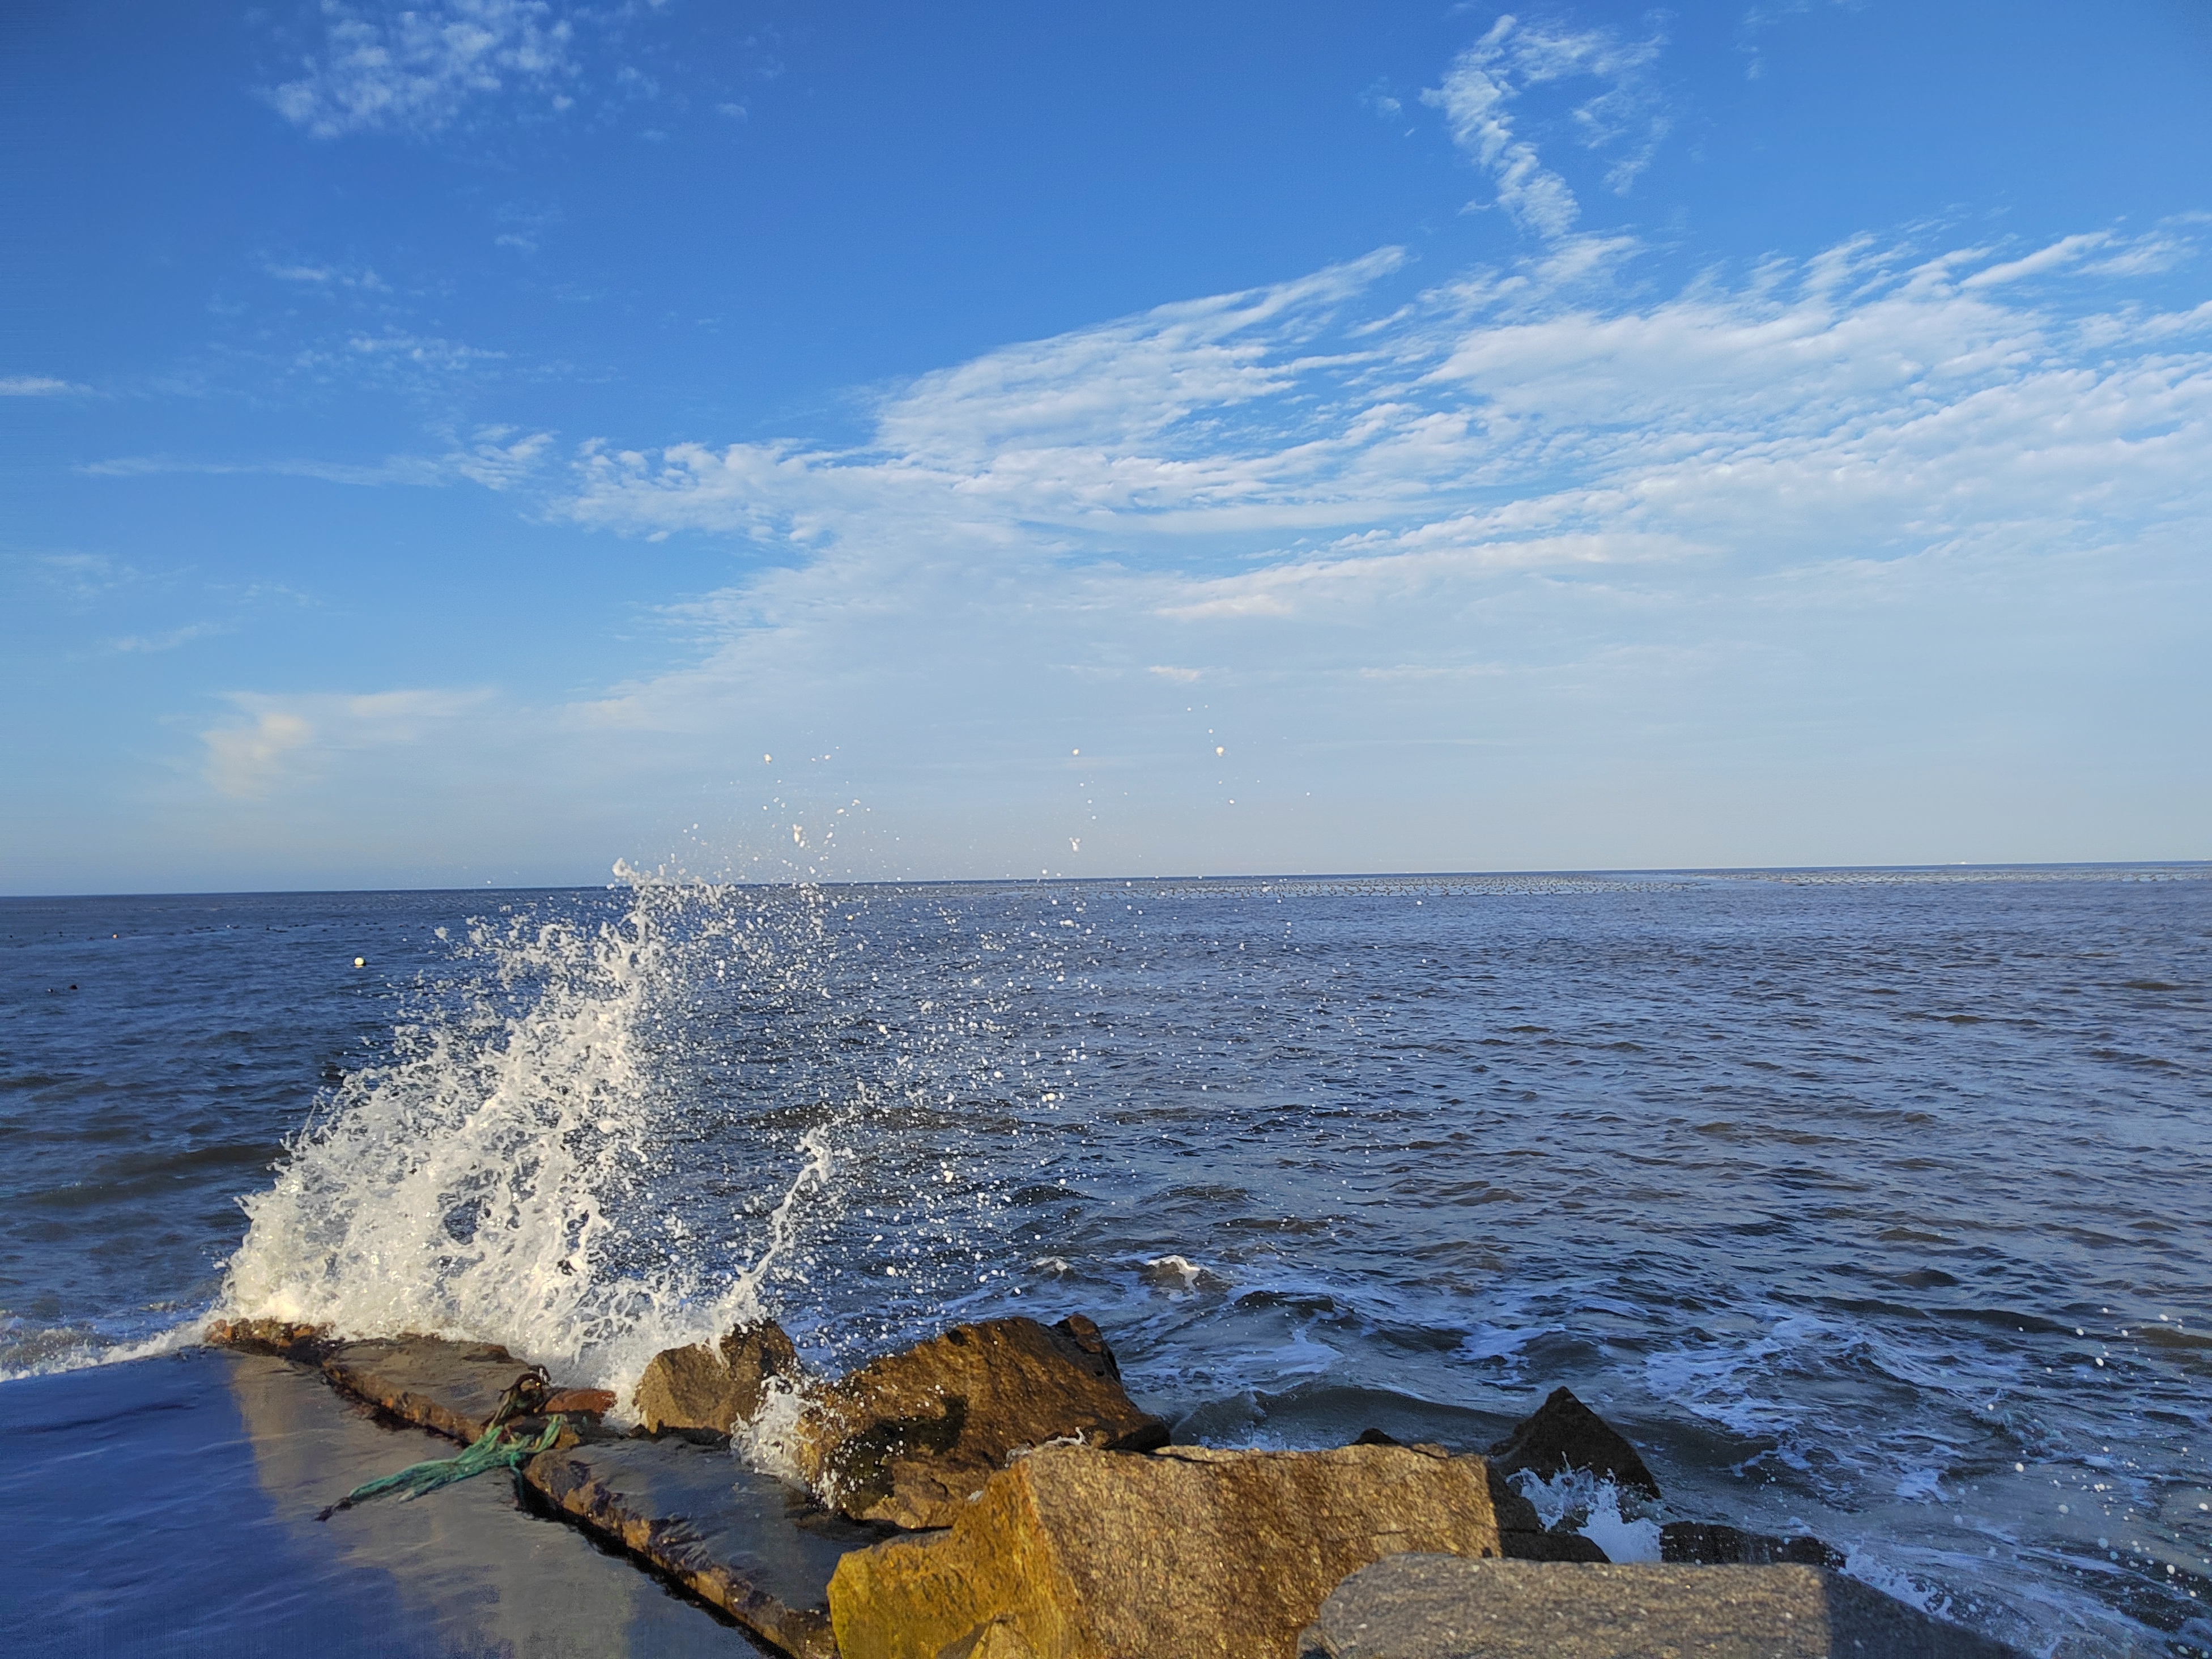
[
  {"x": 910, "y": 1438},
  {"x": 1072, "y": 1553},
  {"x": 710, "y": 1389}
]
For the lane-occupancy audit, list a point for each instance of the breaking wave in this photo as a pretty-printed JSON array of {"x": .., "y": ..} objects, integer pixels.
[{"x": 505, "y": 1174}]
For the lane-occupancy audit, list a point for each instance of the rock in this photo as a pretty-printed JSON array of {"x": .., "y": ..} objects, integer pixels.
[
  {"x": 1562, "y": 1434},
  {"x": 1442, "y": 1607},
  {"x": 999, "y": 1639},
  {"x": 743, "y": 1541},
  {"x": 1699, "y": 1543},
  {"x": 712, "y": 1389},
  {"x": 910, "y": 1438},
  {"x": 1186, "y": 1553},
  {"x": 577, "y": 1402},
  {"x": 1089, "y": 1350},
  {"x": 453, "y": 1388},
  {"x": 1559, "y": 1544},
  {"x": 281, "y": 1337}
]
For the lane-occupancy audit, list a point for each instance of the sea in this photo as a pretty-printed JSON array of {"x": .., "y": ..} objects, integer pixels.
[{"x": 1871, "y": 1203}]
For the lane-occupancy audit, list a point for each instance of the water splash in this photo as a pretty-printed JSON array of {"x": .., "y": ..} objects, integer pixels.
[{"x": 505, "y": 1175}]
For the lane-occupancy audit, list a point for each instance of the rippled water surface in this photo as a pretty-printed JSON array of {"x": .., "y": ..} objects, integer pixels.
[{"x": 1874, "y": 1203}]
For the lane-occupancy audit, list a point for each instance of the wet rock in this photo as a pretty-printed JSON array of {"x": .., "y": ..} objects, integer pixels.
[
  {"x": 1564, "y": 1434},
  {"x": 454, "y": 1388},
  {"x": 1559, "y": 1544},
  {"x": 1442, "y": 1607},
  {"x": 1520, "y": 1533},
  {"x": 1699, "y": 1543},
  {"x": 283, "y": 1338},
  {"x": 710, "y": 1390},
  {"x": 1084, "y": 1554},
  {"x": 577, "y": 1402},
  {"x": 761, "y": 1551},
  {"x": 1078, "y": 1337},
  {"x": 910, "y": 1438}
]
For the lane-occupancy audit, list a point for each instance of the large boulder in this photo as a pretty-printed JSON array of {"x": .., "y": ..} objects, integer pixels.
[
  {"x": 701, "y": 1390},
  {"x": 909, "y": 1439},
  {"x": 1442, "y": 1606},
  {"x": 1074, "y": 1553},
  {"x": 1564, "y": 1434}
]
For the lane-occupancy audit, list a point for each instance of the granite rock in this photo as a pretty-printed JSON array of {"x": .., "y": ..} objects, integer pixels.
[
  {"x": 909, "y": 1439},
  {"x": 711, "y": 1390},
  {"x": 1076, "y": 1553},
  {"x": 1443, "y": 1607}
]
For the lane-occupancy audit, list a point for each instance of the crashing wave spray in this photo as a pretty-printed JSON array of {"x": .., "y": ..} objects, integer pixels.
[{"x": 503, "y": 1177}]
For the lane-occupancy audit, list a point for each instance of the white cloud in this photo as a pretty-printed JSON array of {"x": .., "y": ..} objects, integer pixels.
[
  {"x": 330, "y": 276},
  {"x": 1540, "y": 566},
  {"x": 1478, "y": 93},
  {"x": 279, "y": 742},
  {"x": 37, "y": 385},
  {"x": 1899, "y": 385},
  {"x": 143, "y": 644},
  {"x": 249, "y": 760},
  {"x": 415, "y": 70},
  {"x": 1471, "y": 519},
  {"x": 494, "y": 457}
]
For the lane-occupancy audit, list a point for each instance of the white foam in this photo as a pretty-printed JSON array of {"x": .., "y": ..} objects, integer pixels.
[
  {"x": 495, "y": 1181},
  {"x": 49, "y": 1353},
  {"x": 1618, "y": 1522}
]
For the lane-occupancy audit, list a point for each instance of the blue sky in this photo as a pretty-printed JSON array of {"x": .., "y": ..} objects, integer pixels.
[{"x": 478, "y": 442}]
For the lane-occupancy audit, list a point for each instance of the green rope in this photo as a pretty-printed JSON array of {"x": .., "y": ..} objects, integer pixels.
[{"x": 497, "y": 1449}]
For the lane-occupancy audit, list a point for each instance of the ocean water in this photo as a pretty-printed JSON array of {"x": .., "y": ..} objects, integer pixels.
[{"x": 1873, "y": 1203}]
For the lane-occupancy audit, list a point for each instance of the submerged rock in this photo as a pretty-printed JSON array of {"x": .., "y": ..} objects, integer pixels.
[
  {"x": 1442, "y": 1606},
  {"x": 910, "y": 1438},
  {"x": 1074, "y": 1553},
  {"x": 1700, "y": 1543},
  {"x": 710, "y": 1390},
  {"x": 1564, "y": 1434}
]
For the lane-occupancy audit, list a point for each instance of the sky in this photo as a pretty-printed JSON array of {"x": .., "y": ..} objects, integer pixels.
[{"x": 481, "y": 442}]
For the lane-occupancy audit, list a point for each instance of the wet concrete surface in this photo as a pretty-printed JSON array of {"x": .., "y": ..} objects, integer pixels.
[{"x": 168, "y": 1506}]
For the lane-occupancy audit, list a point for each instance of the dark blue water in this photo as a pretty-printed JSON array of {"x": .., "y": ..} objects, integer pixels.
[{"x": 1873, "y": 1203}]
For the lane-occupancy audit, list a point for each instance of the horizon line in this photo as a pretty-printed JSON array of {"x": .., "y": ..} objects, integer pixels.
[{"x": 2194, "y": 866}]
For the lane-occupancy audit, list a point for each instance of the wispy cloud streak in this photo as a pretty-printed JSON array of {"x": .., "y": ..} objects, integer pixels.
[{"x": 1479, "y": 95}]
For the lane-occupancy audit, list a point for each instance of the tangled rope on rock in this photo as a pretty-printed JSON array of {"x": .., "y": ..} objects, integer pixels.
[{"x": 497, "y": 1448}]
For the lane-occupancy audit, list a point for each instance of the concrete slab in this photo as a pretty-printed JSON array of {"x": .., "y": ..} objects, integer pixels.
[
  {"x": 760, "y": 1549},
  {"x": 453, "y": 1387},
  {"x": 165, "y": 1509},
  {"x": 1445, "y": 1607}
]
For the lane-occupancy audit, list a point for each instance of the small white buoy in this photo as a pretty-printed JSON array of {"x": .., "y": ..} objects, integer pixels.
[{"x": 361, "y": 962}]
